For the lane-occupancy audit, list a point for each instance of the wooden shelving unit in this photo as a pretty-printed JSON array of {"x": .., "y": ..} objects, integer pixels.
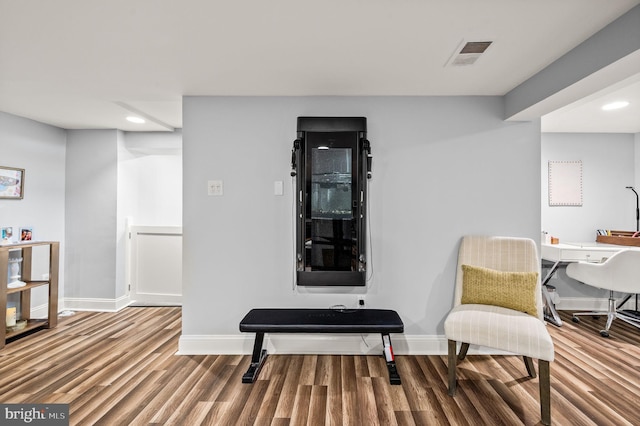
[{"x": 25, "y": 291}]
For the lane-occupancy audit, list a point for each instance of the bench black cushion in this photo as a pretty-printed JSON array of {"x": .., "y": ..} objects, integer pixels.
[{"x": 322, "y": 321}]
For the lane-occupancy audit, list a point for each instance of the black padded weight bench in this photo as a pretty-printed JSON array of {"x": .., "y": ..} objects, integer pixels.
[{"x": 359, "y": 321}]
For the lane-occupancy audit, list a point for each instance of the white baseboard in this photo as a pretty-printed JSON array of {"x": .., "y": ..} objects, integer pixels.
[
  {"x": 40, "y": 312},
  {"x": 101, "y": 305},
  {"x": 318, "y": 344},
  {"x": 349, "y": 344},
  {"x": 589, "y": 304}
]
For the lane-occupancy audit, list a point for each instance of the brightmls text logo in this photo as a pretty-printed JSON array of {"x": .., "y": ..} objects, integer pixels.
[{"x": 34, "y": 414}]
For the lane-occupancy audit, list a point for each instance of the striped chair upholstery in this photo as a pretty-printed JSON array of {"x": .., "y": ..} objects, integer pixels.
[{"x": 497, "y": 327}]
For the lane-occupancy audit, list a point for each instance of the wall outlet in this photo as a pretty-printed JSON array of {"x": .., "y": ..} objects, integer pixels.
[{"x": 215, "y": 187}]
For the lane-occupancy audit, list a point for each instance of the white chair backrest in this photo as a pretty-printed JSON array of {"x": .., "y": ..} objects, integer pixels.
[
  {"x": 620, "y": 272},
  {"x": 509, "y": 254}
]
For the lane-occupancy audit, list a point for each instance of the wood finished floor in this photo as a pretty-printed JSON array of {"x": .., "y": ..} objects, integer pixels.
[{"x": 121, "y": 369}]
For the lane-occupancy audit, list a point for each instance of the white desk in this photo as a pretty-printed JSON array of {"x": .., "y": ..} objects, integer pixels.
[{"x": 567, "y": 253}]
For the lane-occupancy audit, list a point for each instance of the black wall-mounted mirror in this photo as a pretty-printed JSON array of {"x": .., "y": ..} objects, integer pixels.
[{"x": 331, "y": 160}]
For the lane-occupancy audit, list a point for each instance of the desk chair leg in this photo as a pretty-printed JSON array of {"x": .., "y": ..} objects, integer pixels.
[
  {"x": 451, "y": 360},
  {"x": 545, "y": 391},
  {"x": 611, "y": 314}
]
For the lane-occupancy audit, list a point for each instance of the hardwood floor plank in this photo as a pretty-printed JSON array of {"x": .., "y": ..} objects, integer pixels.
[
  {"x": 399, "y": 400},
  {"x": 126, "y": 409},
  {"x": 405, "y": 418},
  {"x": 196, "y": 416},
  {"x": 367, "y": 413},
  {"x": 289, "y": 387},
  {"x": 237, "y": 395},
  {"x": 383, "y": 401},
  {"x": 349, "y": 391},
  {"x": 490, "y": 407},
  {"x": 509, "y": 378},
  {"x": 308, "y": 370},
  {"x": 377, "y": 366},
  {"x": 205, "y": 378},
  {"x": 415, "y": 386},
  {"x": 249, "y": 410},
  {"x": 317, "y": 405},
  {"x": 277, "y": 421},
  {"x": 435, "y": 371},
  {"x": 334, "y": 392},
  {"x": 177, "y": 379},
  {"x": 300, "y": 413},
  {"x": 272, "y": 396},
  {"x": 322, "y": 374},
  {"x": 121, "y": 368}
]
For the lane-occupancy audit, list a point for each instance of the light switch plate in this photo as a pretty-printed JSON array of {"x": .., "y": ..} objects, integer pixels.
[
  {"x": 278, "y": 187},
  {"x": 215, "y": 187}
]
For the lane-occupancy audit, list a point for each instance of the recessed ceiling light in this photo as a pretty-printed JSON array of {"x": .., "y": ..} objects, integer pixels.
[
  {"x": 136, "y": 120},
  {"x": 615, "y": 105}
]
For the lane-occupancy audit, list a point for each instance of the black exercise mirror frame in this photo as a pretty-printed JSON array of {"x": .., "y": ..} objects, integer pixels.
[{"x": 331, "y": 162}]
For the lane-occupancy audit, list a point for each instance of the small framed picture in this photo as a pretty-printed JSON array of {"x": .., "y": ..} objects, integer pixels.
[
  {"x": 6, "y": 233},
  {"x": 11, "y": 183},
  {"x": 26, "y": 234}
]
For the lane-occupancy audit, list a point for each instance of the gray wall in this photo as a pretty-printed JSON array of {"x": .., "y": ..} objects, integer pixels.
[
  {"x": 443, "y": 167},
  {"x": 40, "y": 150},
  {"x": 91, "y": 195}
]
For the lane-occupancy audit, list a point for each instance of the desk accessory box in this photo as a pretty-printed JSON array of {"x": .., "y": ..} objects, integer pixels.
[{"x": 621, "y": 238}]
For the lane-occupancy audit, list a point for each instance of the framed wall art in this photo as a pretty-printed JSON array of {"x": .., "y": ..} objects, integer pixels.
[
  {"x": 565, "y": 183},
  {"x": 11, "y": 183}
]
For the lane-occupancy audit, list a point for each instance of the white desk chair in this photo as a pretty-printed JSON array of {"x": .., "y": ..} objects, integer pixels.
[
  {"x": 508, "y": 266},
  {"x": 619, "y": 273}
]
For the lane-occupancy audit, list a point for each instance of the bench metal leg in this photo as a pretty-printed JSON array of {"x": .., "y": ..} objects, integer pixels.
[
  {"x": 394, "y": 377},
  {"x": 257, "y": 360}
]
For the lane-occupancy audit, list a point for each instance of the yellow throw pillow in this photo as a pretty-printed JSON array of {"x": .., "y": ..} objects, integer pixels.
[{"x": 513, "y": 290}]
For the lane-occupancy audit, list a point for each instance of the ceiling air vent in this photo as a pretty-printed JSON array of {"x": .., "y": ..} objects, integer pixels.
[{"x": 468, "y": 53}]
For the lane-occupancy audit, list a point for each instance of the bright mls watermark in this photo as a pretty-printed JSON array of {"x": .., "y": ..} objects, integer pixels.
[{"x": 34, "y": 414}]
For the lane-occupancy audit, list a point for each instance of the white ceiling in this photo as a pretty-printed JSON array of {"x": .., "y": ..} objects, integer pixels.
[
  {"x": 586, "y": 115},
  {"x": 81, "y": 64}
]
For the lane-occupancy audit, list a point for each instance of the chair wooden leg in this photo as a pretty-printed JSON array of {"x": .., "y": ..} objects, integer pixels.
[
  {"x": 545, "y": 391},
  {"x": 531, "y": 369},
  {"x": 451, "y": 360},
  {"x": 463, "y": 351}
]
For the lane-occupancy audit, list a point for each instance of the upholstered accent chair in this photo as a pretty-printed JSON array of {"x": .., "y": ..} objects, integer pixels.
[
  {"x": 498, "y": 304},
  {"x": 619, "y": 273}
]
